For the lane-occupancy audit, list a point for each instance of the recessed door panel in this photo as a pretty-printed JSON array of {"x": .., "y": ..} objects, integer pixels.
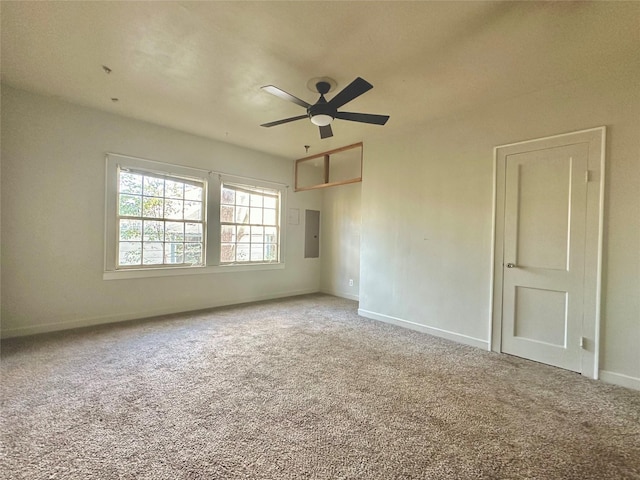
[
  {"x": 541, "y": 315},
  {"x": 544, "y": 192}
]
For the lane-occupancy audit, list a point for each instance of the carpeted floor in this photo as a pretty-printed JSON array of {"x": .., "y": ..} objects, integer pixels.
[{"x": 300, "y": 388}]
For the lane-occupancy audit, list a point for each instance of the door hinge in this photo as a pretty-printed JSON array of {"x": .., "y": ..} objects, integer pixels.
[
  {"x": 582, "y": 341},
  {"x": 587, "y": 176}
]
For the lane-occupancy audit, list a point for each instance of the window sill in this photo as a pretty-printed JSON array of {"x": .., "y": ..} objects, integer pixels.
[{"x": 179, "y": 271}]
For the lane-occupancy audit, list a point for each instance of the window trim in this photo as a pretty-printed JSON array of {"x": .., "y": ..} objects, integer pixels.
[{"x": 213, "y": 181}]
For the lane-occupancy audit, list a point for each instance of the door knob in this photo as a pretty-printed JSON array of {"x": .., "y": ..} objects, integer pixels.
[{"x": 511, "y": 265}]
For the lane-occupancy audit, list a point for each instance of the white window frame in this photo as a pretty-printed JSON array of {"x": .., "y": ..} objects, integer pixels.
[{"x": 212, "y": 182}]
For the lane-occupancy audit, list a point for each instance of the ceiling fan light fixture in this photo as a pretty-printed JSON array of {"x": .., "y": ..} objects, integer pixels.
[{"x": 321, "y": 120}]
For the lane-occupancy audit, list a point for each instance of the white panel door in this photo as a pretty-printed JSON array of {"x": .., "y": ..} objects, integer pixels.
[{"x": 544, "y": 254}]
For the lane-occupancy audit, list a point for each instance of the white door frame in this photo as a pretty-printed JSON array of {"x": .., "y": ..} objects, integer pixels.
[{"x": 595, "y": 137}]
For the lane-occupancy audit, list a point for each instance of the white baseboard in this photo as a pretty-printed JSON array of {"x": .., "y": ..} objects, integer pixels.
[
  {"x": 436, "y": 332},
  {"x": 335, "y": 293},
  {"x": 620, "y": 379},
  {"x": 123, "y": 317}
]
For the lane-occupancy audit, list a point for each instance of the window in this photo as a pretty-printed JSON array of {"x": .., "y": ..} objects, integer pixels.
[
  {"x": 161, "y": 220},
  {"x": 249, "y": 224},
  {"x": 164, "y": 219}
]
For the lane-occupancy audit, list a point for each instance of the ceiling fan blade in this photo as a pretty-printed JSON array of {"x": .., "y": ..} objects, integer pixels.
[
  {"x": 363, "y": 117},
  {"x": 286, "y": 120},
  {"x": 326, "y": 132},
  {"x": 351, "y": 91},
  {"x": 285, "y": 96}
]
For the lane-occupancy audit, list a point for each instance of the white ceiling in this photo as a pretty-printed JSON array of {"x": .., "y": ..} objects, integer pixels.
[{"x": 199, "y": 66}]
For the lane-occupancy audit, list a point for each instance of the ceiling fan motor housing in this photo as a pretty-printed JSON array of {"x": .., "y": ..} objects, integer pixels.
[{"x": 322, "y": 107}]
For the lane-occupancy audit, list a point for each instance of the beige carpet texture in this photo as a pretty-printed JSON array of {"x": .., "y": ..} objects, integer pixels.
[{"x": 299, "y": 388}]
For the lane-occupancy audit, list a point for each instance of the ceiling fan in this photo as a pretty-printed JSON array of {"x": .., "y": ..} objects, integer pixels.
[{"x": 323, "y": 112}]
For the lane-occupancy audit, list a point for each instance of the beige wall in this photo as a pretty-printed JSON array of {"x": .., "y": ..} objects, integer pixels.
[
  {"x": 340, "y": 240},
  {"x": 53, "y": 185},
  {"x": 427, "y": 213}
]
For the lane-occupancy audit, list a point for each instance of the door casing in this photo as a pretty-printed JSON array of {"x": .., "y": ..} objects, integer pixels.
[{"x": 595, "y": 138}]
